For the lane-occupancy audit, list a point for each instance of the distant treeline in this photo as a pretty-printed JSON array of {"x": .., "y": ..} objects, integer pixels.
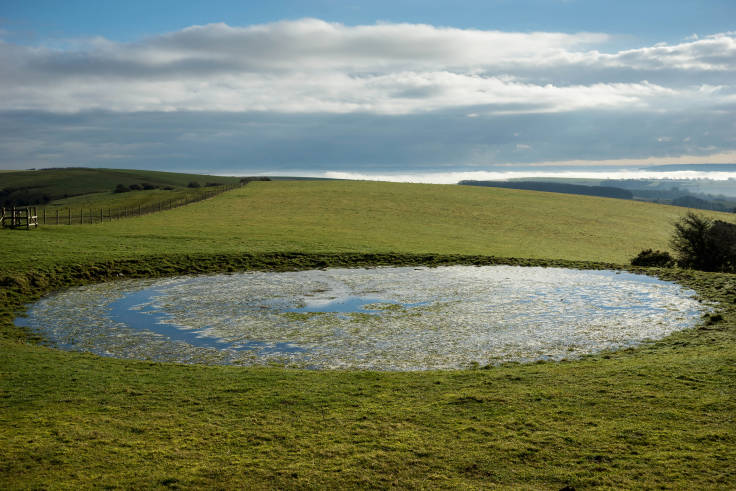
[
  {"x": 638, "y": 190},
  {"x": 690, "y": 201},
  {"x": 22, "y": 196},
  {"x": 556, "y": 187},
  {"x": 669, "y": 192},
  {"x": 39, "y": 195}
]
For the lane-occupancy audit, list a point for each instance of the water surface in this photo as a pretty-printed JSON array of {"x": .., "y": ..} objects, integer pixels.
[{"x": 380, "y": 318}]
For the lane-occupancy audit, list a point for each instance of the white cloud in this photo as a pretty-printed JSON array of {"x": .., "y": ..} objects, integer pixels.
[
  {"x": 311, "y": 94},
  {"x": 455, "y": 177},
  {"x": 712, "y": 53},
  {"x": 311, "y": 66},
  {"x": 580, "y": 169}
]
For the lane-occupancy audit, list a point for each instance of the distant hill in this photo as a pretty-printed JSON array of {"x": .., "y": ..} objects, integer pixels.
[
  {"x": 556, "y": 187},
  {"x": 690, "y": 201},
  {"x": 696, "y": 167},
  {"x": 42, "y": 186},
  {"x": 664, "y": 191}
]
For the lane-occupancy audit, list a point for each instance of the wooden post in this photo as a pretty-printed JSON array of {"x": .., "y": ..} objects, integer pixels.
[
  {"x": 69, "y": 210},
  {"x": 57, "y": 216},
  {"x": 101, "y": 216},
  {"x": 44, "y": 216}
]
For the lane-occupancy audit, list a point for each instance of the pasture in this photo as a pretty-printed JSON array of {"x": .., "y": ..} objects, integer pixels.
[{"x": 660, "y": 415}]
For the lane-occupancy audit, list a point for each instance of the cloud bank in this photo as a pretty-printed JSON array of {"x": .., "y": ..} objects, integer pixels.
[
  {"x": 455, "y": 177},
  {"x": 305, "y": 77}
]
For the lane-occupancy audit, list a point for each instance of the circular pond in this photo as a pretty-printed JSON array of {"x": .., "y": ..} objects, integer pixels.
[{"x": 381, "y": 318}]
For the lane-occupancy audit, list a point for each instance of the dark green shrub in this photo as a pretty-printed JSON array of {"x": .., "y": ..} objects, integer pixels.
[
  {"x": 648, "y": 257},
  {"x": 135, "y": 187},
  {"x": 121, "y": 188},
  {"x": 705, "y": 244},
  {"x": 193, "y": 184},
  {"x": 148, "y": 186}
]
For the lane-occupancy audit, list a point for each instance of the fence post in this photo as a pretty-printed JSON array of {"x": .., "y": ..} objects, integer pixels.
[
  {"x": 69, "y": 210},
  {"x": 57, "y": 216}
]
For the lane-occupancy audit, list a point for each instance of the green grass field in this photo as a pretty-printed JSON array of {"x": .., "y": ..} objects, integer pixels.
[
  {"x": 661, "y": 415},
  {"x": 61, "y": 195},
  {"x": 338, "y": 216},
  {"x": 58, "y": 183}
]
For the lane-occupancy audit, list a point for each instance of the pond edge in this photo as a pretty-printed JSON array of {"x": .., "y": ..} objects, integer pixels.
[{"x": 18, "y": 290}]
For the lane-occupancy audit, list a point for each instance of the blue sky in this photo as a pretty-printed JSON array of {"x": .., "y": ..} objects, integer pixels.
[
  {"x": 367, "y": 88},
  {"x": 647, "y": 21}
]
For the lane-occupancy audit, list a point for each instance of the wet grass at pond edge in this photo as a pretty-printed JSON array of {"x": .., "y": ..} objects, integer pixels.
[{"x": 659, "y": 415}]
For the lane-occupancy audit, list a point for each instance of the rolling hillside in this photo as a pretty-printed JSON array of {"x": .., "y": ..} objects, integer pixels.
[
  {"x": 659, "y": 415},
  {"x": 340, "y": 216},
  {"x": 45, "y": 185}
]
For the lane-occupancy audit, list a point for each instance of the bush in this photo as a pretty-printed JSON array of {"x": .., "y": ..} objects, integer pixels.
[
  {"x": 193, "y": 184},
  {"x": 246, "y": 180},
  {"x": 135, "y": 187},
  {"x": 704, "y": 244},
  {"x": 648, "y": 257},
  {"x": 121, "y": 188},
  {"x": 149, "y": 186}
]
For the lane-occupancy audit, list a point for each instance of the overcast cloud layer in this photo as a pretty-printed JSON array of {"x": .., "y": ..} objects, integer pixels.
[{"x": 314, "y": 95}]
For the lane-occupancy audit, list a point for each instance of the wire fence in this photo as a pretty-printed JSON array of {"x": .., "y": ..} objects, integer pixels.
[{"x": 92, "y": 215}]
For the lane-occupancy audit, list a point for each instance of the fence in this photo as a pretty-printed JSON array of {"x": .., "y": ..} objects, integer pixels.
[
  {"x": 82, "y": 216},
  {"x": 13, "y": 217}
]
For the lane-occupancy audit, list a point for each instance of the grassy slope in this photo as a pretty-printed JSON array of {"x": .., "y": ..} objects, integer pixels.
[
  {"x": 662, "y": 415},
  {"x": 57, "y": 183},
  {"x": 116, "y": 201},
  {"x": 366, "y": 217}
]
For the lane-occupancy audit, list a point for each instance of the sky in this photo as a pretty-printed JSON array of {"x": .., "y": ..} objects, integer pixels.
[{"x": 403, "y": 90}]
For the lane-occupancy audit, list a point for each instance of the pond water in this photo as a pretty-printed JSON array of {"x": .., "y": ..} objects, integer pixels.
[{"x": 381, "y": 318}]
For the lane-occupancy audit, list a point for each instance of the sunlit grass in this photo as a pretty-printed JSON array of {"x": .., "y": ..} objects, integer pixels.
[
  {"x": 339, "y": 216},
  {"x": 659, "y": 416}
]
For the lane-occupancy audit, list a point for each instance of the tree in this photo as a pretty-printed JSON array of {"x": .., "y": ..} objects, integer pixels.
[
  {"x": 723, "y": 236},
  {"x": 705, "y": 244}
]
